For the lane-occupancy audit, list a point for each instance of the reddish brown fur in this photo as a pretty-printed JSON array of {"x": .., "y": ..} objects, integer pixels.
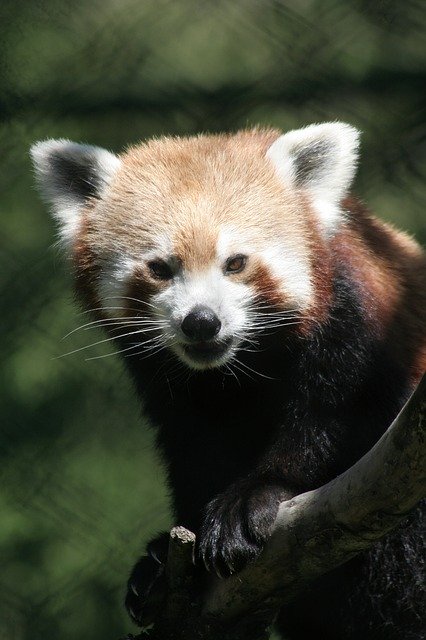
[
  {"x": 267, "y": 287},
  {"x": 87, "y": 269},
  {"x": 389, "y": 269},
  {"x": 139, "y": 290}
]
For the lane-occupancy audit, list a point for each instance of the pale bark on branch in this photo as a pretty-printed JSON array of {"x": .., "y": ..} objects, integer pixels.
[{"x": 313, "y": 533}]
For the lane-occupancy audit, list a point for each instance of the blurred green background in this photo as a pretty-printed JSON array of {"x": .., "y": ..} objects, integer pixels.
[{"x": 81, "y": 489}]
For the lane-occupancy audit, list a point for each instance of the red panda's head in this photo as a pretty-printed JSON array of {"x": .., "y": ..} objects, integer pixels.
[{"x": 199, "y": 244}]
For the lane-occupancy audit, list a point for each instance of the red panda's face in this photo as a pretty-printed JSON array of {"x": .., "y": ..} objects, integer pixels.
[
  {"x": 196, "y": 245},
  {"x": 204, "y": 309}
]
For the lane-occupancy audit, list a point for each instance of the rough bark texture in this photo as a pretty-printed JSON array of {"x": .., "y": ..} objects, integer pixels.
[{"x": 313, "y": 533}]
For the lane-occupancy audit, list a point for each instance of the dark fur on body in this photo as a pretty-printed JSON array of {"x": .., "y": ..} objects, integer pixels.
[{"x": 234, "y": 449}]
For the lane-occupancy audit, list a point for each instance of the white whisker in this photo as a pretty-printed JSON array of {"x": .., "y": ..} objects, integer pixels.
[
  {"x": 148, "y": 304},
  {"x": 243, "y": 364},
  {"x": 234, "y": 362},
  {"x": 124, "y": 335},
  {"x": 108, "y": 322},
  {"x": 232, "y": 373},
  {"x": 91, "y": 310},
  {"x": 147, "y": 355},
  {"x": 115, "y": 353}
]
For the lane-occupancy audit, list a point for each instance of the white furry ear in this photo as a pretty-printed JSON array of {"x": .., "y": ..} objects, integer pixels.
[
  {"x": 69, "y": 174},
  {"x": 322, "y": 160}
]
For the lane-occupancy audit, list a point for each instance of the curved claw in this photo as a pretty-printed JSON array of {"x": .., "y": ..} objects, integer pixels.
[
  {"x": 236, "y": 524},
  {"x": 145, "y": 591},
  {"x": 226, "y": 543}
]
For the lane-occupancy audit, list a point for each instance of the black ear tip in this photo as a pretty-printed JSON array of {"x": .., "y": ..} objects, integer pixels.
[{"x": 42, "y": 150}]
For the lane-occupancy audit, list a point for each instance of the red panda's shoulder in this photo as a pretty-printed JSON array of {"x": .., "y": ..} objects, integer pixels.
[{"x": 388, "y": 267}]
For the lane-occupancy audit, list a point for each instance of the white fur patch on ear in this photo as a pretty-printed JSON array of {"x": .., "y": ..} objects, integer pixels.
[
  {"x": 69, "y": 174},
  {"x": 320, "y": 159}
]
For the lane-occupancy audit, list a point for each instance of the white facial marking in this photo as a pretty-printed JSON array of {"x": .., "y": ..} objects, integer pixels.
[
  {"x": 113, "y": 282},
  {"x": 117, "y": 271},
  {"x": 292, "y": 271},
  {"x": 209, "y": 288},
  {"x": 287, "y": 263}
]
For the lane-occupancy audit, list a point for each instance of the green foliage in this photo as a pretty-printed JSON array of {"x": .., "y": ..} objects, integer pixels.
[{"x": 81, "y": 488}]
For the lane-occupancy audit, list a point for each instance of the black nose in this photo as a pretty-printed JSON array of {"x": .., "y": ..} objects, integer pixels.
[{"x": 201, "y": 323}]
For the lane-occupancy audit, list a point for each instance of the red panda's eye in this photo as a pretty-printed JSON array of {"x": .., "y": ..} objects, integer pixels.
[
  {"x": 160, "y": 270},
  {"x": 235, "y": 264}
]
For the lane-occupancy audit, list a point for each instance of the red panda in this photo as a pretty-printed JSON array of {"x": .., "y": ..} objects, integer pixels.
[{"x": 273, "y": 329}]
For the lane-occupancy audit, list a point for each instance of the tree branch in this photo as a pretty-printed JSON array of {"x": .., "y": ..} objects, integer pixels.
[{"x": 313, "y": 533}]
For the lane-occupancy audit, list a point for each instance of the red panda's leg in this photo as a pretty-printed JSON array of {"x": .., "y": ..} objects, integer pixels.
[{"x": 237, "y": 522}]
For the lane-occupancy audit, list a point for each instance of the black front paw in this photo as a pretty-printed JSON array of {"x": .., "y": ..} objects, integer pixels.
[
  {"x": 235, "y": 526},
  {"x": 146, "y": 586}
]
